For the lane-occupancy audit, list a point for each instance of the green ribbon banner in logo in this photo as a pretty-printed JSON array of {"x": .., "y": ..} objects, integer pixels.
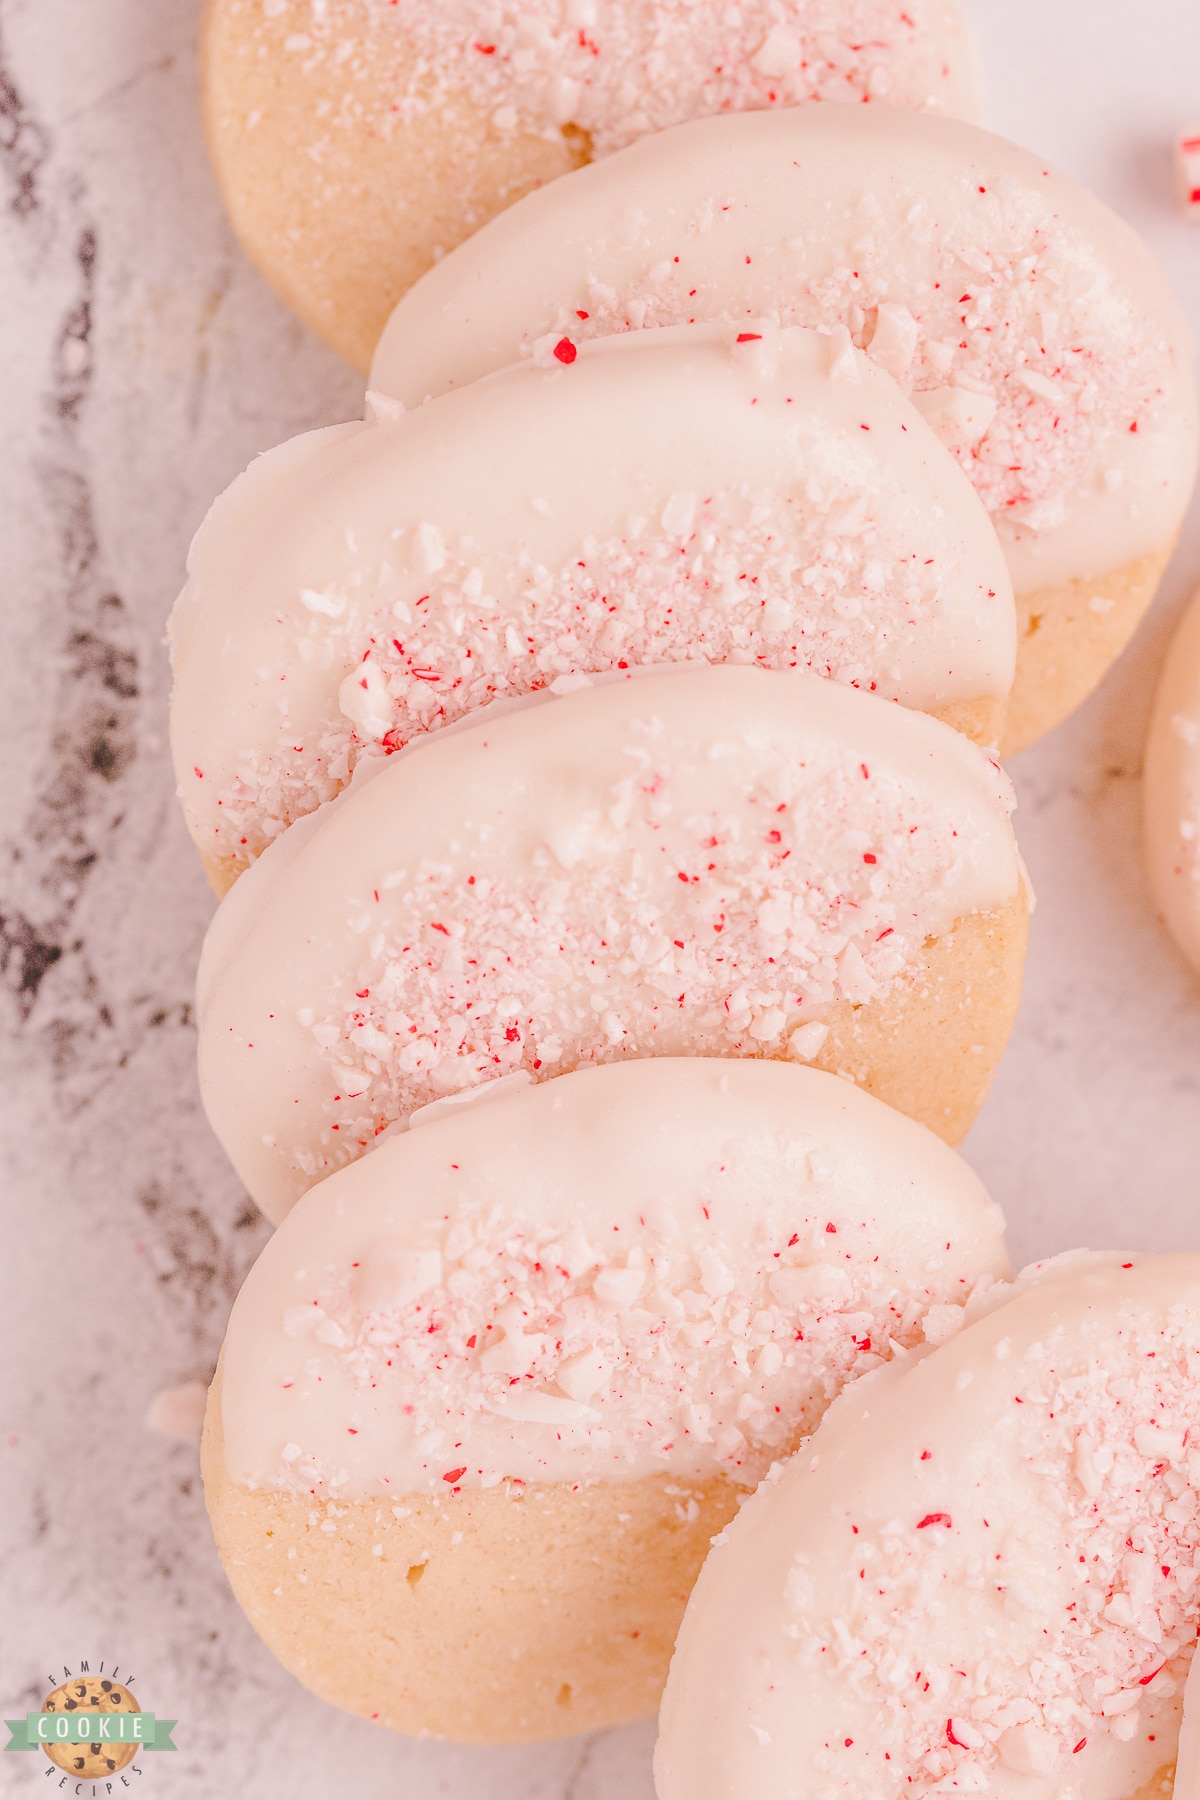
[{"x": 38, "y": 1729}]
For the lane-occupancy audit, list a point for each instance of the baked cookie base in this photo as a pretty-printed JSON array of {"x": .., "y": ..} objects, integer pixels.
[
  {"x": 1067, "y": 639},
  {"x": 930, "y": 1047},
  {"x": 1160, "y": 1785},
  {"x": 554, "y": 1612},
  {"x": 981, "y": 719}
]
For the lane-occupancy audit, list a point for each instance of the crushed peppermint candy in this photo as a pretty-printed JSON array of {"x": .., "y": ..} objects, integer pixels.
[
  {"x": 1011, "y": 339},
  {"x": 609, "y": 71},
  {"x": 1187, "y": 165},
  {"x": 1110, "y": 1430},
  {"x": 809, "y": 580},
  {"x": 636, "y": 931},
  {"x": 657, "y": 1353}
]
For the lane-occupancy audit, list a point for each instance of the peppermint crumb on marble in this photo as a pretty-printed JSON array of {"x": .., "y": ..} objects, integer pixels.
[{"x": 805, "y": 579}]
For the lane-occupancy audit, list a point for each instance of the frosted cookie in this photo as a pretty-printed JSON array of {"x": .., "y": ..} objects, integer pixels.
[
  {"x": 1033, "y": 328},
  {"x": 979, "y": 1577},
  {"x": 487, "y": 1394},
  {"x": 716, "y": 861},
  {"x": 1172, "y": 789},
  {"x": 356, "y": 141},
  {"x": 786, "y": 506}
]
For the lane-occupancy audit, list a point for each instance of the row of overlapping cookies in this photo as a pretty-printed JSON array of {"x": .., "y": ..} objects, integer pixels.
[{"x": 492, "y": 1387}]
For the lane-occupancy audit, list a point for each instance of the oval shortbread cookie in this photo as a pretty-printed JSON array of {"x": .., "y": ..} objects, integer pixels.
[
  {"x": 979, "y": 1577},
  {"x": 356, "y": 141},
  {"x": 498, "y": 1383},
  {"x": 674, "y": 495},
  {"x": 1033, "y": 328},
  {"x": 709, "y": 861}
]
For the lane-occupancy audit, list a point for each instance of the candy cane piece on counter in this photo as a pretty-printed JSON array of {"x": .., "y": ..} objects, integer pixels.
[{"x": 1187, "y": 161}]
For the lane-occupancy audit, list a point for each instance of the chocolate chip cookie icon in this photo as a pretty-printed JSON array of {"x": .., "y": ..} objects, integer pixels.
[{"x": 90, "y": 1694}]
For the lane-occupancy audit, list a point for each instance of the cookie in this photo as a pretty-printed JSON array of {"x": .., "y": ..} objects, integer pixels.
[
  {"x": 980, "y": 1574},
  {"x": 720, "y": 861},
  {"x": 357, "y": 141},
  {"x": 1031, "y": 326},
  {"x": 488, "y": 1393},
  {"x": 90, "y": 1694},
  {"x": 786, "y": 507},
  {"x": 1172, "y": 789}
]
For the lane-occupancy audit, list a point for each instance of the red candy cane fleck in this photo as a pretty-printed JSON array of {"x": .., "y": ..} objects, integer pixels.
[
  {"x": 1187, "y": 164},
  {"x": 453, "y": 1475},
  {"x": 565, "y": 350},
  {"x": 934, "y": 1519}
]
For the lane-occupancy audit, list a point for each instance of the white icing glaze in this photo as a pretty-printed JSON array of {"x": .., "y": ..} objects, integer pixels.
[
  {"x": 659, "y": 1267},
  {"x": 1172, "y": 789},
  {"x": 617, "y": 69},
  {"x": 981, "y": 1574},
  {"x": 1034, "y": 326},
  {"x": 785, "y": 506},
  {"x": 700, "y": 861}
]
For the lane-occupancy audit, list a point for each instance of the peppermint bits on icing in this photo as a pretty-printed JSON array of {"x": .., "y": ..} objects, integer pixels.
[
  {"x": 401, "y": 575},
  {"x": 1031, "y": 326},
  {"x": 670, "y": 864},
  {"x": 621, "y": 1274},
  {"x": 456, "y": 108},
  {"x": 986, "y": 1565}
]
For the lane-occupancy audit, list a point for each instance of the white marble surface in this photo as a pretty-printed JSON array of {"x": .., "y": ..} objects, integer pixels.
[{"x": 144, "y": 363}]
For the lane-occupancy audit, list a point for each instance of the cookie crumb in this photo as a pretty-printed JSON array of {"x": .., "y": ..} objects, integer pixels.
[{"x": 178, "y": 1412}]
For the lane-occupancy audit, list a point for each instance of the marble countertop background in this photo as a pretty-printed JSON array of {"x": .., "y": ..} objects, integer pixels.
[{"x": 144, "y": 363}]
